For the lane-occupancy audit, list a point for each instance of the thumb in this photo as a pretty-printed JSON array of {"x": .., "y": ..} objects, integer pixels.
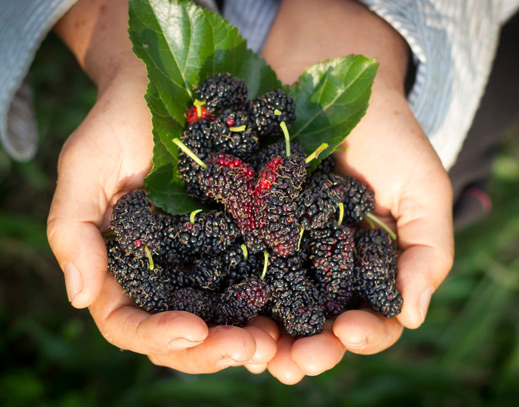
[{"x": 76, "y": 213}]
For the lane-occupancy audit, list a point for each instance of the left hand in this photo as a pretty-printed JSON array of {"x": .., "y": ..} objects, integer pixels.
[{"x": 390, "y": 152}]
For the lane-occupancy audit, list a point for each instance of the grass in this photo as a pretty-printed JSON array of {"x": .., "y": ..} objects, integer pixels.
[{"x": 466, "y": 354}]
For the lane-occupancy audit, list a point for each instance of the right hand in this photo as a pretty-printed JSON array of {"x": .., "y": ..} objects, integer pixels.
[{"x": 108, "y": 155}]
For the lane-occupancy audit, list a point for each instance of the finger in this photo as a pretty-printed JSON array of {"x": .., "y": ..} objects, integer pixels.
[
  {"x": 74, "y": 237},
  {"x": 366, "y": 333},
  {"x": 282, "y": 367},
  {"x": 256, "y": 368},
  {"x": 76, "y": 213},
  {"x": 426, "y": 239},
  {"x": 225, "y": 346},
  {"x": 130, "y": 328},
  {"x": 318, "y": 353},
  {"x": 266, "y": 346}
]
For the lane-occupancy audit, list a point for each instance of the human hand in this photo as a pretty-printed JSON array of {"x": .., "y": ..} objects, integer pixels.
[
  {"x": 108, "y": 155},
  {"x": 390, "y": 152}
]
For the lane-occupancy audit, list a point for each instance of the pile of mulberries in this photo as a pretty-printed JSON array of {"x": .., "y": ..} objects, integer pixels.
[{"x": 279, "y": 240}]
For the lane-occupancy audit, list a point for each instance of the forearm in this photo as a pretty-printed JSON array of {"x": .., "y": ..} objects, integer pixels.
[
  {"x": 96, "y": 31},
  {"x": 307, "y": 31}
]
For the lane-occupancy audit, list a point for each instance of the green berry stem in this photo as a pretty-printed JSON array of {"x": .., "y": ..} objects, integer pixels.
[
  {"x": 300, "y": 237},
  {"x": 192, "y": 216},
  {"x": 265, "y": 265},
  {"x": 370, "y": 216},
  {"x": 245, "y": 252},
  {"x": 316, "y": 153},
  {"x": 150, "y": 257},
  {"x": 198, "y": 105},
  {"x": 284, "y": 128},
  {"x": 237, "y": 129},
  {"x": 370, "y": 223},
  {"x": 287, "y": 137},
  {"x": 188, "y": 152},
  {"x": 341, "y": 213}
]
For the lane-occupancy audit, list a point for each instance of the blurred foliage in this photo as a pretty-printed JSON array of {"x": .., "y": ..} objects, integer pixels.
[{"x": 466, "y": 354}]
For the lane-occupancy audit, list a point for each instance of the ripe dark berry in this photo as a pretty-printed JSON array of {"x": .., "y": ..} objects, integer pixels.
[
  {"x": 197, "y": 302},
  {"x": 206, "y": 233},
  {"x": 318, "y": 201},
  {"x": 221, "y": 91},
  {"x": 295, "y": 300},
  {"x": 332, "y": 261},
  {"x": 150, "y": 289},
  {"x": 269, "y": 110},
  {"x": 241, "y": 303},
  {"x": 234, "y": 134},
  {"x": 375, "y": 272},
  {"x": 134, "y": 226},
  {"x": 238, "y": 263},
  {"x": 276, "y": 192},
  {"x": 207, "y": 273},
  {"x": 357, "y": 197},
  {"x": 229, "y": 181},
  {"x": 199, "y": 139},
  {"x": 172, "y": 251}
]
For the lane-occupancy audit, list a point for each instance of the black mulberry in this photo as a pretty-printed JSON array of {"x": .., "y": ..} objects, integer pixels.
[
  {"x": 357, "y": 197},
  {"x": 134, "y": 226},
  {"x": 150, "y": 289},
  {"x": 269, "y": 110},
  {"x": 241, "y": 303},
  {"x": 221, "y": 91},
  {"x": 295, "y": 300},
  {"x": 332, "y": 260},
  {"x": 277, "y": 189},
  {"x": 318, "y": 201},
  {"x": 234, "y": 134},
  {"x": 206, "y": 233},
  {"x": 207, "y": 273},
  {"x": 238, "y": 263},
  {"x": 199, "y": 139},
  {"x": 197, "y": 302},
  {"x": 375, "y": 272}
]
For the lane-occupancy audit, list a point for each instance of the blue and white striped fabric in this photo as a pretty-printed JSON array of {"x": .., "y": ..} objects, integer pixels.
[
  {"x": 23, "y": 24},
  {"x": 453, "y": 44}
]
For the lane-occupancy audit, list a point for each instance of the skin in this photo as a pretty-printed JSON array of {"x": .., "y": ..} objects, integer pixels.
[{"x": 110, "y": 153}]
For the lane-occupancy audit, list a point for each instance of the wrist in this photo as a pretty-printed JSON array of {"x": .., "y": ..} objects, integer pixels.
[
  {"x": 306, "y": 31},
  {"x": 96, "y": 31}
]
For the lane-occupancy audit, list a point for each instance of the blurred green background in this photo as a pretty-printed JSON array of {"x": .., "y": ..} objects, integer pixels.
[{"x": 466, "y": 354}]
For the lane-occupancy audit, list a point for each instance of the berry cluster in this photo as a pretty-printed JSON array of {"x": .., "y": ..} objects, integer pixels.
[{"x": 278, "y": 242}]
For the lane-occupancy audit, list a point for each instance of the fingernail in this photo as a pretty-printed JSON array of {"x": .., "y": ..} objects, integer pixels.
[
  {"x": 424, "y": 300},
  {"x": 181, "y": 343},
  {"x": 356, "y": 342},
  {"x": 73, "y": 281}
]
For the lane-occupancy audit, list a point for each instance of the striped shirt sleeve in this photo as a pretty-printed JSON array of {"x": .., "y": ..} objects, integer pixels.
[{"x": 23, "y": 24}]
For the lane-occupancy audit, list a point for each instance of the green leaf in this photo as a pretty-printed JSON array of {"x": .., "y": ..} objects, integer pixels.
[
  {"x": 181, "y": 44},
  {"x": 331, "y": 97}
]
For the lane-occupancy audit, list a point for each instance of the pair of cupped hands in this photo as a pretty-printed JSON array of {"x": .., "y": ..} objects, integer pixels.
[{"x": 110, "y": 153}]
